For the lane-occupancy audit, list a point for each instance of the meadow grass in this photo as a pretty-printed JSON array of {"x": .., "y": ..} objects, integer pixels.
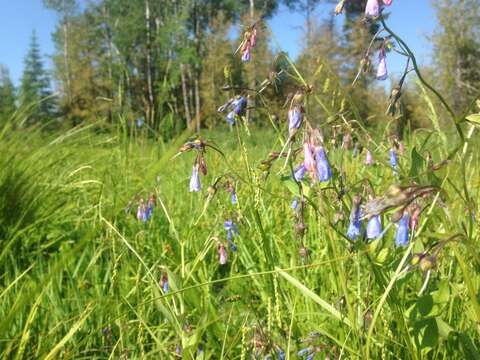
[{"x": 81, "y": 278}]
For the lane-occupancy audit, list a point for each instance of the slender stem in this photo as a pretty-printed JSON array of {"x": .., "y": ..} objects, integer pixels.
[{"x": 422, "y": 80}]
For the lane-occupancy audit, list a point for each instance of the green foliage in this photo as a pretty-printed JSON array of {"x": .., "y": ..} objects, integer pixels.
[
  {"x": 35, "y": 85},
  {"x": 7, "y": 96}
]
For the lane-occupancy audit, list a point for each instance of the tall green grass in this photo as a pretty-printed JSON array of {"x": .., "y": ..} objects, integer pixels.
[{"x": 81, "y": 277}]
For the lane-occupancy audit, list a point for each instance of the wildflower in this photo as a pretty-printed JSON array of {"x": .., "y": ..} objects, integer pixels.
[
  {"x": 246, "y": 54},
  {"x": 164, "y": 282},
  {"x": 178, "y": 350},
  {"x": 299, "y": 173},
  {"x": 222, "y": 254},
  {"x": 195, "y": 180},
  {"x": 372, "y": 9},
  {"x": 294, "y": 203},
  {"x": 141, "y": 210},
  {"x": 393, "y": 160},
  {"x": 324, "y": 173},
  {"x": 401, "y": 236},
  {"x": 310, "y": 356},
  {"x": 382, "y": 72},
  {"x": 232, "y": 229},
  {"x": 281, "y": 354},
  {"x": 233, "y": 194},
  {"x": 249, "y": 42},
  {"x": 374, "y": 227},
  {"x": 150, "y": 205},
  {"x": 354, "y": 227},
  {"x": 369, "y": 158},
  {"x": 305, "y": 351},
  {"x": 238, "y": 106},
  {"x": 295, "y": 117},
  {"x": 309, "y": 161}
]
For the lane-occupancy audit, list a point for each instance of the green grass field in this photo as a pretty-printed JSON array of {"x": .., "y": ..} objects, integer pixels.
[{"x": 82, "y": 279}]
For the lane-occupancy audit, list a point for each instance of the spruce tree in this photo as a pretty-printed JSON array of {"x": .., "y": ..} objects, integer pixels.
[
  {"x": 7, "y": 95},
  {"x": 35, "y": 85}
]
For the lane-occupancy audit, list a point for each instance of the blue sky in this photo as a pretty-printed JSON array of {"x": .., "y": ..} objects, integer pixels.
[{"x": 414, "y": 20}]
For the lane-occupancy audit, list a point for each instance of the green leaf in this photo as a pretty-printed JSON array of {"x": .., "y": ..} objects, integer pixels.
[
  {"x": 426, "y": 333},
  {"x": 311, "y": 295},
  {"x": 468, "y": 347},
  {"x": 418, "y": 163},
  {"x": 443, "y": 328},
  {"x": 290, "y": 185}
]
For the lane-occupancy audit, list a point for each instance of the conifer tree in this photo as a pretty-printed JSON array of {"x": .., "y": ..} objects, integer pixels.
[
  {"x": 7, "y": 95},
  {"x": 35, "y": 85}
]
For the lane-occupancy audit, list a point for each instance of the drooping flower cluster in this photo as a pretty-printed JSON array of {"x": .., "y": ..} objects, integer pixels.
[
  {"x": 315, "y": 161},
  {"x": 144, "y": 211},
  {"x": 237, "y": 107},
  {"x": 199, "y": 164},
  {"x": 249, "y": 42}
]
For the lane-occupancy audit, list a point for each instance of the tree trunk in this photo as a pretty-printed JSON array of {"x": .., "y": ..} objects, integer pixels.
[
  {"x": 185, "y": 94},
  {"x": 150, "y": 95},
  {"x": 196, "y": 80}
]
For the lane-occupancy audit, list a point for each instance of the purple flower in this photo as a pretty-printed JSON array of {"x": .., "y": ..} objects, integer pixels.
[
  {"x": 246, "y": 54},
  {"x": 393, "y": 160},
  {"x": 369, "y": 158},
  {"x": 299, "y": 173},
  {"x": 382, "y": 72},
  {"x": 294, "y": 203},
  {"x": 401, "y": 236},
  {"x": 309, "y": 161},
  {"x": 311, "y": 356},
  {"x": 295, "y": 117},
  {"x": 323, "y": 168},
  {"x": 231, "y": 118},
  {"x": 281, "y": 354},
  {"x": 149, "y": 211},
  {"x": 372, "y": 9},
  {"x": 232, "y": 229},
  {"x": 238, "y": 106},
  {"x": 305, "y": 351},
  {"x": 354, "y": 228},
  {"x": 141, "y": 210},
  {"x": 374, "y": 227},
  {"x": 164, "y": 282},
  {"x": 195, "y": 180},
  {"x": 234, "y": 197}
]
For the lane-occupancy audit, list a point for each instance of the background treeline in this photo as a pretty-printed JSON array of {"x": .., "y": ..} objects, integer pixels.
[{"x": 165, "y": 62}]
